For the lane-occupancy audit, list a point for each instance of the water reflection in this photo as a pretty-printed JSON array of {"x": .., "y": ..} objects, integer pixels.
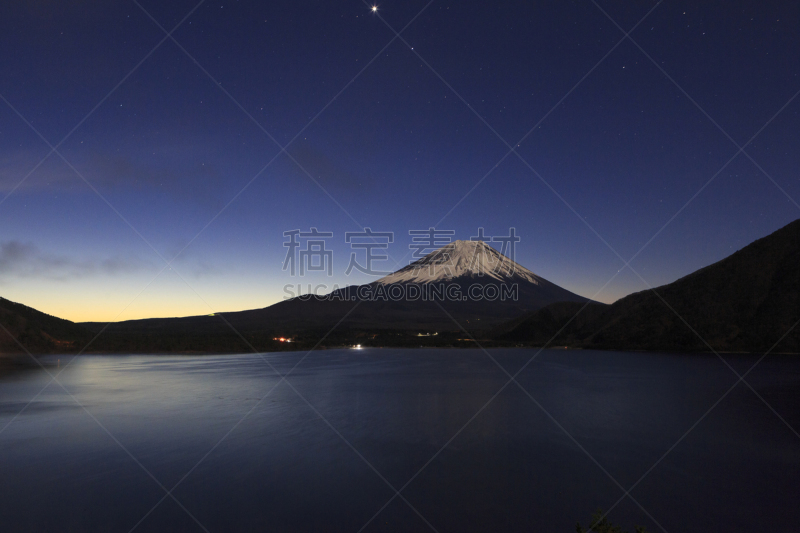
[{"x": 292, "y": 466}]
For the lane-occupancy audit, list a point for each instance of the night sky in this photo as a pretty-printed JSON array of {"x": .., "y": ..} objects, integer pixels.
[{"x": 163, "y": 144}]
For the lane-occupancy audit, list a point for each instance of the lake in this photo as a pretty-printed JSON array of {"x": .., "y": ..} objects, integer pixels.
[{"x": 326, "y": 449}]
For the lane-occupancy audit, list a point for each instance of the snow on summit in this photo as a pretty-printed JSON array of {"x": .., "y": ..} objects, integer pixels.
[{"x": 460, "y": 259}]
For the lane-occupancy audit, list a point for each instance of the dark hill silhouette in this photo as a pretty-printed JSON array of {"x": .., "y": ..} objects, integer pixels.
[
  {"x": 37, "y": 332},
  {"x": 745, "y": 302}
]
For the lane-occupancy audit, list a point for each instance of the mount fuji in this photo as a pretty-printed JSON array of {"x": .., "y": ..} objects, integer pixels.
[
  {"x": 462, "y": 285},
  {"x": 463, "y": 260}
]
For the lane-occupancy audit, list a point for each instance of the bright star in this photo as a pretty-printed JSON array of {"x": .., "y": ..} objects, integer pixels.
[{"x": 374, "y": 9}]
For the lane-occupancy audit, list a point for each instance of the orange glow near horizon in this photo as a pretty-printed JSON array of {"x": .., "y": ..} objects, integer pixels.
[{"x": 77, "y": 306}]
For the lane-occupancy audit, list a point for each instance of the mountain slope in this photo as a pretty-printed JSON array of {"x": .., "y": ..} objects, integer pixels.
[
  {"x": 744, "y": 302},
  {"x": 38, "y": 332}
]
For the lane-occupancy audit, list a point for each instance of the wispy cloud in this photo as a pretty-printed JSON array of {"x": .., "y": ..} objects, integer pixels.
[
  {"x": 26, "y": 260},
  {"x": 325, "y": 169},
  {"x": 201, "y": 183},
  {"x": 17, "y": 165}
]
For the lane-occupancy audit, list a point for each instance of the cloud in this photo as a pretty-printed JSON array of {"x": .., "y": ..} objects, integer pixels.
[
  {"x": 329, "y": 173},
  {"x": 201, "y": 183},
  {"x": 25, "y": 260},
  {"x": 190, "y": 261},
  {"x": 15, "y": 167}
]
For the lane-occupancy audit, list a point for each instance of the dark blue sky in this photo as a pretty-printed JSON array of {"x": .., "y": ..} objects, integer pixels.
[{"x": 614, "y": 137}]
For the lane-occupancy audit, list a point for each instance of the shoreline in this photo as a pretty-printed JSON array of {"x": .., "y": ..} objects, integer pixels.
[{"x": 23, "y": 360}]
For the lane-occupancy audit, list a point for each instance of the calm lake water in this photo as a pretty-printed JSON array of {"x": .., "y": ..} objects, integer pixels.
[{"x": 320, "y": 453}]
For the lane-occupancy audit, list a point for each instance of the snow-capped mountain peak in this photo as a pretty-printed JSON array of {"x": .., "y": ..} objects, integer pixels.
[{"x": 460, "y": 259}]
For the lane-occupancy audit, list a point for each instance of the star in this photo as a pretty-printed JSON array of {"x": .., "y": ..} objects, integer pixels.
[{"x": 374, "y": 9}]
